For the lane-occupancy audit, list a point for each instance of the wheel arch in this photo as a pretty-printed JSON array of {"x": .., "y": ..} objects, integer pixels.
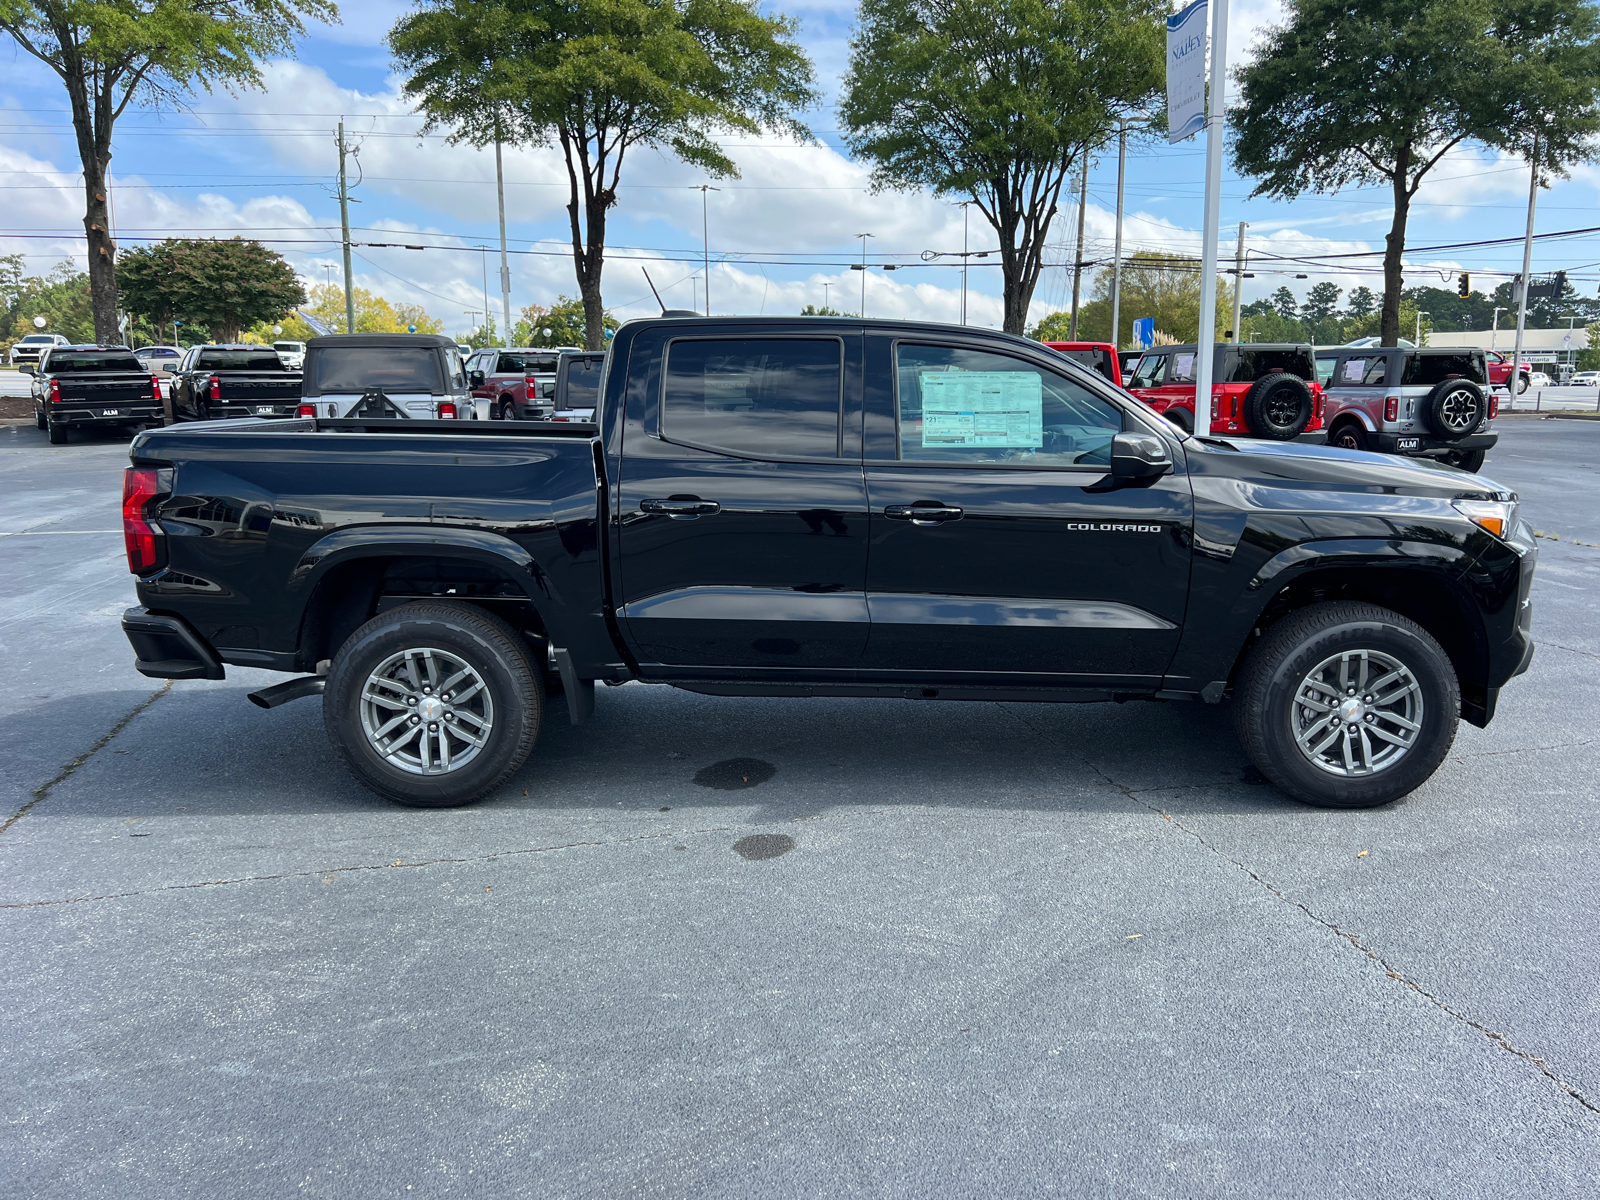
[{"x": 351, "y": 575}]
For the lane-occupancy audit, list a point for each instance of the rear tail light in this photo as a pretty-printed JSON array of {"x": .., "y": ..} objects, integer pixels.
[
  {"x": 216, "y": 388},
  {"x": 307, "y": 410},
  {"x": 447, "y": 411},
  {"x": 1494, "y": 407},
  {"x": 155, "y": 386},
  {"x": 1391, "y": 408},
  {"x": 140, "y": 486},
  {"x": 55, "y": 391},
  {"x": 530, "y": 388}
]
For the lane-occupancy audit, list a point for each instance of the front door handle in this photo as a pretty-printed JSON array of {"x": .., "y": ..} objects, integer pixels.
[
  {"x": 923, "y": 514},
  {"x": 681, "y": 508}
]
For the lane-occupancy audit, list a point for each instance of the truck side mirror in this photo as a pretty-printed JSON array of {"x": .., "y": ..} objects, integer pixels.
[
  {"x": 1139, "y": 456},
  {"x": 25, "y": 368},
  {"x": 475, "y": 378}
]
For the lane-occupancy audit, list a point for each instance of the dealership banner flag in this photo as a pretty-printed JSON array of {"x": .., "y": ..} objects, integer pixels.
[{"x": 1186, "y": 72}]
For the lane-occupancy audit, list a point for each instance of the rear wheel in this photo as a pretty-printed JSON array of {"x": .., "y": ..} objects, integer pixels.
[
  {"x": 1467, "y": 460},
  {"x": 39, "y": 421},
  {"x": 1347, "y": 705},
  {"x": 508, "y": 410},
  {"x": 1180, "y": 417},
  {"x": 1349, "y": 436},
  {"x": 433, "y": 705},
  {"x": 58, "y": 434}
]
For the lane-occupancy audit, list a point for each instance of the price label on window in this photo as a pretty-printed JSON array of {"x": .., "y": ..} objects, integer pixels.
[{"x": 983, "y": 408}]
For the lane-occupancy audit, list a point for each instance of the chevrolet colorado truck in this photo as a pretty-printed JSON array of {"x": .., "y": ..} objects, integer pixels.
[
  {"x": 221, "y": 381},
  {"x": 84, "y": 387},
  {"x": 828, "y": 506}
]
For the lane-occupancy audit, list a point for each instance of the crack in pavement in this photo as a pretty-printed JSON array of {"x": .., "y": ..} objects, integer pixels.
[
  {"x": 401, "y": 864},
  {"x": 1568, "y": 649},
  {"x": 43, "y": 790},
  {"x": 1523, "y": 750},
  {"x": 1499, "y": 1039}
]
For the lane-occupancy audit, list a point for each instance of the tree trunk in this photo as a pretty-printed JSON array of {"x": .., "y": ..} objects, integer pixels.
[
  {"x": 1394, "y": 251},
  {"x": 91, "y": 122}
]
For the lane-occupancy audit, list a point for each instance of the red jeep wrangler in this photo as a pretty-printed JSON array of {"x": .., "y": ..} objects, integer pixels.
[
  {"x": 1258, "y": 389},
  {"x": 1097, "y": 356}
]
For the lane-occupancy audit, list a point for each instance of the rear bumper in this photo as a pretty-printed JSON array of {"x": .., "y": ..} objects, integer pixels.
[
  {"x": 168, "y": 647},
  {"x": 142, "y": 413},
  {"x": 265, "y": 408},
  {"x": 1425, "y": 445}
]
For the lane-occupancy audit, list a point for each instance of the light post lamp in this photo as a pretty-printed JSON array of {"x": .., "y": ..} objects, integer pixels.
[{"x": 1420, "y": 314}]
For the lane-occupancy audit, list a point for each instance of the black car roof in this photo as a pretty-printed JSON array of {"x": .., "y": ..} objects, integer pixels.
[{"x": 382, "y": 341}]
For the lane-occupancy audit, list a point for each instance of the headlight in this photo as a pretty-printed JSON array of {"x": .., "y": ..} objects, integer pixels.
[{"x": 1497, "y": 516}]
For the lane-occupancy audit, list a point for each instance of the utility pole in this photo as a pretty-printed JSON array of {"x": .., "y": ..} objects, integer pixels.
[
  {"x": 1077, "y": 262},
  {"x": 705, "y": 241},
  {"x": 1515, "y": 377},
  {"x": 1116, "y": 257},
  {"x": 505, "y": 265},
  {"x": 484, "y": 255},
  {"x": 825, "y": 288},
  {"x": 344, "y": 223},
  {"x": 864, "y": 237},
  {"x": 1420, "y": 314},
  {"x": 1238, "y": 282},
  {"x": 1215, "y": 118},
  {"x": 965, "y": 205}
]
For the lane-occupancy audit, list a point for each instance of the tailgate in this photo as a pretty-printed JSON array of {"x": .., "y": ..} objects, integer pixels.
[
  {"x": 120, "y": 388},
  {"x": 249, "y": 389}
]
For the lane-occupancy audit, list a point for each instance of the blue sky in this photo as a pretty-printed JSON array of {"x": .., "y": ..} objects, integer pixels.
[{"x": 263, "y": 164}]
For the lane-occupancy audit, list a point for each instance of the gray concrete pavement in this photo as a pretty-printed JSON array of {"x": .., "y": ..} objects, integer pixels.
[{"x": 1014, "y": 951}]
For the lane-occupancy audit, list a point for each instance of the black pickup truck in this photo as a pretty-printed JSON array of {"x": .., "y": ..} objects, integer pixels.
[
  {"x": 82, "y": 387},
  {"x": 221, "y": 381},
  {"x": 804, "y": 507}
]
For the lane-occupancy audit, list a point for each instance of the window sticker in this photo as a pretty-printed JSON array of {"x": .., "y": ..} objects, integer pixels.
[
  {"x": 1354, "y": 369},
  {"x": 1185, "y": 366},
  {"x": 982, "y": 408}
]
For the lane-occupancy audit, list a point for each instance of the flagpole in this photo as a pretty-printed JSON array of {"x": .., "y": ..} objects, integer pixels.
[{"x": 1207, "y": 338}]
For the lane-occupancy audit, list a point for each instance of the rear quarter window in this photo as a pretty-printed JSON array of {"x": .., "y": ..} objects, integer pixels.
[
  {"x": 1095, "y": 359},
  {"x": 1362, "y": 370},
  {"x": 1425, "y": 370}
]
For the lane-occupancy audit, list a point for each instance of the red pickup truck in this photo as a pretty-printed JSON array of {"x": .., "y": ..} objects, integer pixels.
[
  {"x": 1258, "y": 390},
  {"x": 1101, "y": 357},
  {"x": 1500, "y": 371}
]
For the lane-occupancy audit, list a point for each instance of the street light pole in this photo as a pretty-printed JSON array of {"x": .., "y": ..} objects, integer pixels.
[
  {"x": 1215, "y": 117},
  {"x": 1116, "y": 255},
  {"x": 1077, "y": 262},
  {"x": 1238, "y": 282},
  {"x": 1421, "y": 312},
  {"x": 705, "y": 241},
  {"x": 1527, "y": 280},
  {"x": 965, "y": 205},
  {"x": 505, "y": 265},
  {"x": 1494, "y": 328}
]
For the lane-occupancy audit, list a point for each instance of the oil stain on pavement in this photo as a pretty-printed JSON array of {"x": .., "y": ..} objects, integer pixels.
[{"x": 735, "y": 774}]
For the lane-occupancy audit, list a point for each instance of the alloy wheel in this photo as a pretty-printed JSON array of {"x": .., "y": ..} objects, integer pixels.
[
  {"x": 1357, "y": 713},
  {"x": 426, "y": 711}
]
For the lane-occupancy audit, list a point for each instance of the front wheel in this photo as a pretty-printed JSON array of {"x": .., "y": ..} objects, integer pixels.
[
  {"x": 1522, "y": 383},
  {"x": 1467, "y": 460},
  {"x": 433, "y": 705},
  {"x": 1347, "y": 705}
]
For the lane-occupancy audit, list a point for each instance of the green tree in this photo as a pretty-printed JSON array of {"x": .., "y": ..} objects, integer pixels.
[
  {"x": 61, "y": 298},
  {"x": 566, "y": 320},
  {"x": 1377, "y": 92},
  {"x": 113, "y": 53},
  {"x": 997, "y": 100},
  {"x": 1360, "y": 302},
  {"x": 223, "y": 284},
  {"x": 374, "y": 314},
  {"x": 1285, "y": 305},
  {"x": 1322, "y": 302},
  {"x": 600, "y": 77},
  {"x": 812, "y": 310}
]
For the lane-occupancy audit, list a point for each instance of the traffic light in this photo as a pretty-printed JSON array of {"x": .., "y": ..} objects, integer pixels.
[
  {"x": 1464, "y": 285},
  {"x": 1561, "y": 285}
]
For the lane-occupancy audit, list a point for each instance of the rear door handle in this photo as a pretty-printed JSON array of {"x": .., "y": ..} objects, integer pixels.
[
  {"x": 680, "y": 508},
  {"x": 922, "y": 514}
]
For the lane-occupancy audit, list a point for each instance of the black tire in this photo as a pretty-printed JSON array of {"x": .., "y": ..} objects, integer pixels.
[
  {"x": 58, "y": 435},
  {"x": 1269, "y": 703},
  {"x": 1523, "y": 380},
  {"x": 1467, "y": 460},
  {"x": 491, "y": 648},
  {"x": 508, "y": 410},
  {"x": 1349, "y": 436},
  {"x": 1455, "y": 408},
  {"x": 1277, "y": 406},
  {"x": 1180, "y": 417},
  {"x": 39, "y": 421}
]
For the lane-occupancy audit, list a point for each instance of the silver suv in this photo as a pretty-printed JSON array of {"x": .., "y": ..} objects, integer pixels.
[{"x": 1411, "y": 401}]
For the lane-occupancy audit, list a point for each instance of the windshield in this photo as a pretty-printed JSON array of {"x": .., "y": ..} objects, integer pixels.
[
  {"x": 62, "y": 363},
  {"x": 1428, "y": 369},
  {"x": 290, "y": 347},
  {"x": 511, "y": 362},
  {"x": 376, "y": 368},
  {"x": 237, "y": 360},
  {"x": 1247, "y": 366},
  {"x": 34, "y": 338}
]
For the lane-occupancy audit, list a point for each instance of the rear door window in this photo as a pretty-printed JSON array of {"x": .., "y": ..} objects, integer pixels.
[
  {"x": 377, "y": 368},
  {"x": 1148, "y": 372},
  {"x": 1362, "y": 370},
  {"x": 1425, "y": 370},
  {"x": 765, "y": 397},
  {"x": 1182, "y": 367},
  {"x": 970, "y": 406}
]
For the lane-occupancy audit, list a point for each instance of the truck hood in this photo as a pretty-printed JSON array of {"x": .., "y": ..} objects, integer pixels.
[{"x": 1303, "y": 467}]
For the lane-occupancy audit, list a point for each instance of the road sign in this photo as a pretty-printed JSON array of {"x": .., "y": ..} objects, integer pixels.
[{"x": 1144, "y": 332}]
